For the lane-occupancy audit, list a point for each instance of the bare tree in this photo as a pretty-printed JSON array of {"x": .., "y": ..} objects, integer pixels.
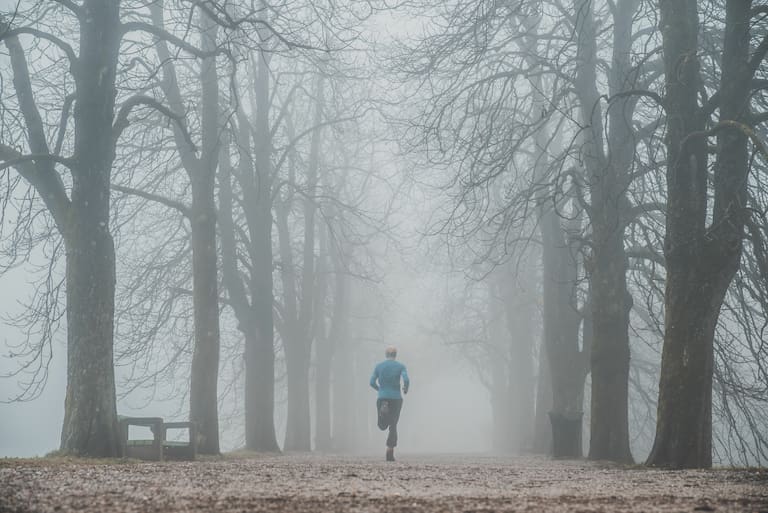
[
  {"x": 81, "y": 211},
  {"x": 202, "y": 216},
  {"x": 297, "y": 318},
  {"x": 702, "y": 247},
  {"x": 247, "y": 245}
]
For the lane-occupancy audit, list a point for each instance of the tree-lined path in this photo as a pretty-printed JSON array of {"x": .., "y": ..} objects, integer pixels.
[
  {"x": 349, "y": 483},
  {"x": 217, "y": 214}
]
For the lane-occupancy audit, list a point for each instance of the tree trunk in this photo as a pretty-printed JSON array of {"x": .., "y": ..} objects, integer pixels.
[
  {"x": 343, "y": 397},
  {"x": 542, "y": 438},
  {"x": 297, "y": 347},
  {"x": 701, "y": 261},
  {"x": 260, "y": 350},
  {"x": 499, "y": 356},
  {"x": 519, "y": 301},
  {"x": 297, "y": 428},
  {"x": 323, "y": 351},
  {"x": 323, "y": 396},
  {"x": 610, "y": 300},
  {"x": 205, "y": 357},
  {"x": 90, "y": 412},
  {"x": 610, "y": 305},
  {"x": 203, "y": 395},
  {"x": 344, "y": 406},
  {"x": 254, "y": 316},
  {"x": 561, "y": 331},
  {"x": 684, "y": 425},
  {"x": 260, "y": 387},
  {"x": 343, "y": 380},
  {"x": 299, "y": 308},
  {"x": 560, "y": 360},
  {"x": 361, "y": 406}
]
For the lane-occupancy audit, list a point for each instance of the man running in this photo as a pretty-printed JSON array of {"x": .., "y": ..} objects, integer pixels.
[{"x": 386, "y": 379}]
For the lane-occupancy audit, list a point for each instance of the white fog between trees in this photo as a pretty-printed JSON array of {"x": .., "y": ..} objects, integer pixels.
[{"x": 225, "y": 210}]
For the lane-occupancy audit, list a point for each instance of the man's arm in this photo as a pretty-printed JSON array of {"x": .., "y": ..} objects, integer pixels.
[
  {"x": 406, "y": 381},
  {"x": 374, "y": 377}
]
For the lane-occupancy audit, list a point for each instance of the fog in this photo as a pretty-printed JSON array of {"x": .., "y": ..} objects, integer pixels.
[
  {"x": 447, "y": 411},
  {"x": 223, "y": 212},
  {"x": 28, "y": 428}
]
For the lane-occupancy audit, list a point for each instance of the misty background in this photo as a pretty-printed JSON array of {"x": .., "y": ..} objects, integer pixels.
[
  {"x": 224, "y": 211},
  {"x": 446, "y": 411}
]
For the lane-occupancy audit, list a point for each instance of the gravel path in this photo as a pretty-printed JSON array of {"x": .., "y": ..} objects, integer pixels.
[{"x": 316, "y": 483}]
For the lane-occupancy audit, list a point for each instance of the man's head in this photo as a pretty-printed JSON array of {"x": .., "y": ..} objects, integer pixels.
[{"x": 390, "y": 352}]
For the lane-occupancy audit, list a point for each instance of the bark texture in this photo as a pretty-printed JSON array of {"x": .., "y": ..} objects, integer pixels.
[
  {"x": 701, "y": 259},
  {"x": 203, "y": 396},
  {"x": 610, "y": 301},
  {"x": 563, "y": 365},
  {"x": 90, "y": 413}
]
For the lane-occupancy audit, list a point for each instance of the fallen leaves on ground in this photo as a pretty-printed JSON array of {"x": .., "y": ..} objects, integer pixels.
[{"x": 314, "y": 483}]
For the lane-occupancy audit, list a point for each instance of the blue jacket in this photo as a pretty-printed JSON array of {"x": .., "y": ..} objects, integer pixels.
[{"x": 386, "y": 379}]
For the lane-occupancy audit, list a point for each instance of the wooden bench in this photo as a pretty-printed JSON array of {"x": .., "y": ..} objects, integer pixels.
[
  {"x": 151, "y": 450},
  {"x": 159, "y": 448},
  {"x": 173, "y": 450}
]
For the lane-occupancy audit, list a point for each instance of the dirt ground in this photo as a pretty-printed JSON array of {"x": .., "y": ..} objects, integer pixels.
[{"x": 317, "y": 483}]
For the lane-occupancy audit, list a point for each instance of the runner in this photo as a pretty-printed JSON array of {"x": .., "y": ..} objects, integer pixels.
[{"x": 386, "y": 380}]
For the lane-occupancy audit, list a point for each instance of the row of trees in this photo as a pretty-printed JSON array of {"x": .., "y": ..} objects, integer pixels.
[
  {"x": 213, "y": 175},
  {"x": 621, "y": 140},
  {"x": 212, "y": 141}
]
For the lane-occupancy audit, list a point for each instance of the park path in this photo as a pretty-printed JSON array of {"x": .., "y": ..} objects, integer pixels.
[{"x": 317, "y": 483}]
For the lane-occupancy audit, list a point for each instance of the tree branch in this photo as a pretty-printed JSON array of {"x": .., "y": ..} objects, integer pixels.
[
  {"x": 646, "y": 253},
  {"x": 50, "y": 188},
  {"x": 639, "y": 92},
  {"x": 72, "y": 6},
  {"x": 170, "y": 87},
  {"x": 140, "y": 26},
  {"x": 22, "y": 84},
  {"x": 42, "y": 175},
  {"x": 176, "y": 205},
  {"x": 121, "y": 120},
  {"x": 714, "y": 101},
  {"x": 756, "y": 119},
  {"x": 63, "y": 123},
  {"x": 644, "y": 208},
  {"x": 758, "y": 10},
  {"x": 729, "y": 124},
  {"x": 38, "y": 157},
  {"x": 65, "y": 47},
  {"x": 306, "y": 132},
  {"x": 759, "y": 55},
  {"x": 250, "y": 19}
]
